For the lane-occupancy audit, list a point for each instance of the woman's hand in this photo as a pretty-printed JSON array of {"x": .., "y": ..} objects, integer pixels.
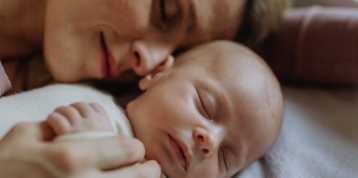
[{"x": 27, "y": 150}]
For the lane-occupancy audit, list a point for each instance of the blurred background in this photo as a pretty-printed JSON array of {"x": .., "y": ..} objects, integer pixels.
[{"x": 341, "y": 3}]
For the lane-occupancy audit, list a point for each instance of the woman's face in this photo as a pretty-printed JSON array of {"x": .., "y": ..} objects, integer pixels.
[{"x": 103, "y": 38}]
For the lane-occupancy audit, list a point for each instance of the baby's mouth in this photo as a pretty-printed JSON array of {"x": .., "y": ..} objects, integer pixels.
[{"x": 178, "y": 152}]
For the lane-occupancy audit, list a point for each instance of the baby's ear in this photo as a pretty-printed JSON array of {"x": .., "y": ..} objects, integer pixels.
[
  {"x": 145, "y": 82},
  {"x": 165, "y": 65}
]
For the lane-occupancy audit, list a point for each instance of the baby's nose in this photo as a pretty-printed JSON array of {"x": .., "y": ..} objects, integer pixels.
[{"x": 205, "y": 140}]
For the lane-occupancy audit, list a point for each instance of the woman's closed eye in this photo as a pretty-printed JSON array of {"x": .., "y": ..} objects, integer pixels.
[
  {"x": 163, "y": 11},
  {"x": 167, "y": 14}
]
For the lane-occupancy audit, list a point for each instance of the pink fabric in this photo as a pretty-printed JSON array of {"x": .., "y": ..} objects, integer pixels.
[
  {"x": 5, "y": 84},
  {"x": 315, "y": 45}
]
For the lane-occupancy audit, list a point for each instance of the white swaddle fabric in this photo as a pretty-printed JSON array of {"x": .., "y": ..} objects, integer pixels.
[{"x": 36, "y": 105}]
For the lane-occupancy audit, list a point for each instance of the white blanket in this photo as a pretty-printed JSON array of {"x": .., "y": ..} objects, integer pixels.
[{"x": 319, "y": 137}]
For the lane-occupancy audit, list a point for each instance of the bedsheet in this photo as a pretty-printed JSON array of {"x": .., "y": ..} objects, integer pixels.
[{"x": 319, "y": 136}]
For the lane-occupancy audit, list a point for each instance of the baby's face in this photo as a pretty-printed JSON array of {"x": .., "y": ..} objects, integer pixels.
[{"x": 208, "y": 116}]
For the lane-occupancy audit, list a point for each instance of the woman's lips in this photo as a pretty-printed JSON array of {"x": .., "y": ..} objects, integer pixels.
[
  {"x": 108, "y": 64},
  {"x": 180, "y": 151}
]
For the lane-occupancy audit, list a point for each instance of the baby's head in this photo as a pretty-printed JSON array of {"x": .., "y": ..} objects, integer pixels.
[{"x": 215, "y": 111}]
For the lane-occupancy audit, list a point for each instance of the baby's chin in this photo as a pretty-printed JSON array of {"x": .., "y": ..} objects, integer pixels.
[
  {"x": 171, "y": 171},
  {"x": 168, "y": 170}
]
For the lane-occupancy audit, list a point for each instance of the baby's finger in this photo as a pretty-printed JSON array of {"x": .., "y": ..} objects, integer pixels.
[
  {"x": 58, "y": 123},
  {"x": 98, "y": 108},
  {"x": 84, "y": 109},
  {"x": 70, "y": 113}
]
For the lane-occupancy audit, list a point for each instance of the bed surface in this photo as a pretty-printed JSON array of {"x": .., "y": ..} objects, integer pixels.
[{"x": 319, "y": 137}]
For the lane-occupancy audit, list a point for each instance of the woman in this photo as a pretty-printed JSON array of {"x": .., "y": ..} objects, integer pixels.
[
  {"x": 102, "y": 39},
  {"x": 92, "y": 39}
]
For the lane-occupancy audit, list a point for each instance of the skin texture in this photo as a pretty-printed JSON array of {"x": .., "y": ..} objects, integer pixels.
[
  {"x": 220, "y": 102},
  {"x": 136, "y": 33},
  {"x": 68, "y": 33},
  {"x": 79, "y": 117},
  {"x": 227, "y": 112},
  {"x": 68, "y": 159}
]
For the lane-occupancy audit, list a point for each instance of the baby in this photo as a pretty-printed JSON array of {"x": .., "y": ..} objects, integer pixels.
[{"x": 211, "y": 113}]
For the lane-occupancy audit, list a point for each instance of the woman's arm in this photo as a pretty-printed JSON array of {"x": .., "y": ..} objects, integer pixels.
[
  {"x": 25, "y": 150},
  {"x": 315, "y": 45},
  {"x": 28, "y": 146}
]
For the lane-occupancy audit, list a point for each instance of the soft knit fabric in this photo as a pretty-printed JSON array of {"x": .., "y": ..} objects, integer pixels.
[{"x": 36, "y": 105}]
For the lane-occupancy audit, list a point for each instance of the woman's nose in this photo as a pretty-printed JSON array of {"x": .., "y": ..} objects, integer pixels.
[
  {"x": 145, "y": 59},
  {"x": 207, "y": 141}
]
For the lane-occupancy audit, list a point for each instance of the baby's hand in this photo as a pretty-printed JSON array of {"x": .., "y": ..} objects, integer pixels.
[{"x": 79, "y": 117}]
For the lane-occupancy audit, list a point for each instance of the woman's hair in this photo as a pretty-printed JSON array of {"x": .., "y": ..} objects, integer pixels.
[{"x": 260, "y": 18}]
